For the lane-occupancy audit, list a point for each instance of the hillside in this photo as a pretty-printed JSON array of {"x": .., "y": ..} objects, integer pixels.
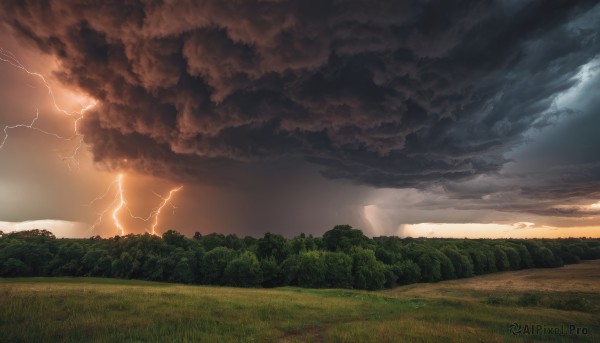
[{"x": 472, "y": 309}]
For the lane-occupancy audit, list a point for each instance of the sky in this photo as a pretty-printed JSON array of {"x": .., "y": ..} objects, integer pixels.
[{"x": 411, "y": 118}]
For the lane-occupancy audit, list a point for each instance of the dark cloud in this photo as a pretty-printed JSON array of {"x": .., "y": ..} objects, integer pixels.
[
  {"x": 386, "y": 93},
  {"x": 572, "y": 211}
]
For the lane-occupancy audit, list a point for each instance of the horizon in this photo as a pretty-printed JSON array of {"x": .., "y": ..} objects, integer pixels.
[{"x": 301, "y": 234}]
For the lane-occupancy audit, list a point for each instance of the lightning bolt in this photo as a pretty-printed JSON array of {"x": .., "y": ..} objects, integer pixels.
[
  {"x": 119, "y": 203},
  {"x": 163, "y": 204},
  {"x": 122, "y": 203},
  {"x": 8, "y": 57},
  {"x": 32, "y": 127},
  {"x": 98, "y": 198}
]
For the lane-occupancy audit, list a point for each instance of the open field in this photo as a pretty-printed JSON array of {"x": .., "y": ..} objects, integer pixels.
[
  {"x": 475, "y": 309},
  {"x": 583, "y": 277}
]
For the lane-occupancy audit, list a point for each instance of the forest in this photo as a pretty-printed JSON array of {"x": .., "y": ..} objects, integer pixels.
[{"x": 342, "y": 258}]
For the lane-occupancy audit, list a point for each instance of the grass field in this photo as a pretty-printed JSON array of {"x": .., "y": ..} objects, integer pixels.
[{"x": 478, "y": 309}]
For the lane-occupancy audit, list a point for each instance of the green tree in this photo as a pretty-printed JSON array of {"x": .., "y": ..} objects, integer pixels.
[
  {"x": 297, "y": 245},
  {"x": 123, "y": 266},
  {"x": 214, "y": 263},
  {"x": 33, "y": 251},
  {"x": 462, "y": 264},
  {"x": 311, "y": 270},
  {"x": 183, "y": 271},
  {"x": 525, "y": 256},
  {"x": 343, "y": 238},
  {"x": 544, "y": 258},
  {"x": 272, "y": 245},
  {"x": 232, "y": 241},
  {"x": 576, "y": 250},
  {"x": 479, "y": 261},
  {"x": 446, "y": 266},
  {"x": 431, "y": 268},
  {"x": 290, "y": 269},
  {"x": 514, "y": 260},
  {"x": 195, "y": 259},
  {"x": 175, "y": 239},
  {"x": 490, "y": 257},
  {"x": 386, "y": 256},
  {"x": 338, "y": 270},
  {"x": 94, "y": 263},
  {"x": 213, "y": 240},
  {"x": 502, "y": 262},
  {"x": 368, "y": 273},
  {"x": 272, "y": 273},
  {"x": 14, "y": 267},
  {"x": 243, "y": 271},
  {"x": 407, "y": 272},
  {"x": 68, "y": 260},
  {"x": 152, "y": 268}
]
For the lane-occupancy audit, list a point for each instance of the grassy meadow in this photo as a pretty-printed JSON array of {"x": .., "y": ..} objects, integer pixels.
[{"x": 477, "y": 309}]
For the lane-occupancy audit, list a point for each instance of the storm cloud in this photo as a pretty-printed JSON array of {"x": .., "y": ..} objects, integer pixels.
[{"x": 391, "y": 94}]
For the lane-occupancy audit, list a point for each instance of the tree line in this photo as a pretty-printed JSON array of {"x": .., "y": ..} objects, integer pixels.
[{"x": 342, "y": 258}]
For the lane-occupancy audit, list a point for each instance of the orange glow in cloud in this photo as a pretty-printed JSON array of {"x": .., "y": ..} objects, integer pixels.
[
  {"x": 8, "y": 57},
  {"x": 84, "y": 101}
]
